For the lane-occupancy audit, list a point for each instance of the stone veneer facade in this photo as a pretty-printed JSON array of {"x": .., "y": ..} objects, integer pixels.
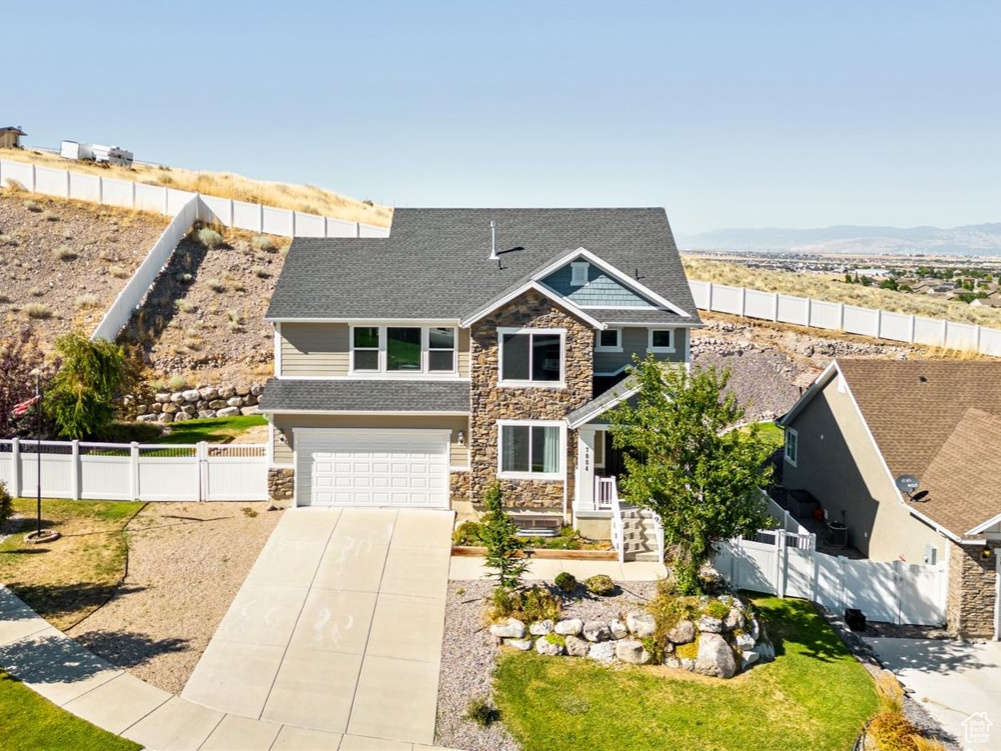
[
  {"x": 281, "y": 484},
  {"x": 970, "y": 607},
  {"x": 490, "y": 402}
]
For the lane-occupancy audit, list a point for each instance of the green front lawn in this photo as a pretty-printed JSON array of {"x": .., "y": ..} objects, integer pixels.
[
  {"x": 31, "y": 722},
  {"x": 211, "y": 429},
  {"x": 815, "y": 697}
]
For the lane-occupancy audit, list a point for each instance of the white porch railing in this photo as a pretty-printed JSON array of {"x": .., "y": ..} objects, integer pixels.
[{"x": 604, "y": 491}]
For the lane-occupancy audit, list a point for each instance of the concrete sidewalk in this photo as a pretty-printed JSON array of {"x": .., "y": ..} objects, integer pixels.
[
  {"x": 75, "y": 679},
  {"x": 338, "y": 626},
  {"x": 951, "y": 679}
]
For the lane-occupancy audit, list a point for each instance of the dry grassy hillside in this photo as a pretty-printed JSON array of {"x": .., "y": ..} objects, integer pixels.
[
  {"x": 833, "y": 289},
  {"x": 306, "y": 198},
  {"x": 64, "y": 262}
]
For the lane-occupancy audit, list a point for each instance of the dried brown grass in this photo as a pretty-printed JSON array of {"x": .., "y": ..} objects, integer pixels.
[
  {"x": 306, "y": 198},
  {"x": 831, "y": 288}
]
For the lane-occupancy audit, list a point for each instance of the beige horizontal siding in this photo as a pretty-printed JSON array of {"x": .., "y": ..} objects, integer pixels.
[
  {"x": 285, "y": 423},
  {"x": 315, "y": 349},
  {"x": 464, "y": 353}
]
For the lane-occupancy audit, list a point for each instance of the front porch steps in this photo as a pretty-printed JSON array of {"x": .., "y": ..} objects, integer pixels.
[{"x": 639, "y": 534}]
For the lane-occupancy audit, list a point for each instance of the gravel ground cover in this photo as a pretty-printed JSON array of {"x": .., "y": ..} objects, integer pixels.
[
  {"x": 66, "y": 261},
  {"x": 186, "y": 563},
  {"x": 469, "y": 654}
]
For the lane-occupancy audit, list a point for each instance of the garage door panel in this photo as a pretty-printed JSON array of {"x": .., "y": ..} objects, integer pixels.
[{"x": 373, "y": 468}]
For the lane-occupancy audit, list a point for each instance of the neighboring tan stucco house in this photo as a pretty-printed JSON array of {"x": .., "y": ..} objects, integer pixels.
[
  {"x": 865, "y": 423},
  {"x": 414, "y": 370},
  {"x": 10, "y": 137}
]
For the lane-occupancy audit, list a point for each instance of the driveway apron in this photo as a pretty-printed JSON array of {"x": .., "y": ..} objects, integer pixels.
[
  {"x": 338, "y": 626},
  {"x": 953, "y": 680}
]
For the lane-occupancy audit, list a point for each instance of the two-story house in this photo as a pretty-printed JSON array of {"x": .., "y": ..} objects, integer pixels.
[{"x": 468, "y": 346}]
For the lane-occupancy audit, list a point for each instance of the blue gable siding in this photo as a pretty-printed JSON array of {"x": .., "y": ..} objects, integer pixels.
[{"x": 601, "y": 290}]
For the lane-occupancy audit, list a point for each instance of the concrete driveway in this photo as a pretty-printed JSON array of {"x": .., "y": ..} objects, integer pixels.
[
  {"x": 953, "y": 680},
  {"x": 338, "y": 626}
]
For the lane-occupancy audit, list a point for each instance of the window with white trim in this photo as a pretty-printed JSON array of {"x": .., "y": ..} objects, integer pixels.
[
  {"x": 532, "y": 450},
  {"x": 578, "y": 273},
  {"x": 403, "y": 349},
  {"x": 661, "y": 340},
  {"x": 791, "y": 446},
  {"x": 441, "y": 349},
  {"x": 531, "y": 357},
  {"x": 365, "y": 348},
  {"x": 608, "y": 340}
]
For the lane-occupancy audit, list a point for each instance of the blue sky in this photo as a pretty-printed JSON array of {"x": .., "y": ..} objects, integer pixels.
[{"x": 729, "y": 114}]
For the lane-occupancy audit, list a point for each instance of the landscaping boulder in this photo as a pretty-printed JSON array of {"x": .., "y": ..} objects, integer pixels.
[
  {"x": 228, "y": 412},
  {"x": 602, "y": 652},
  {"x": 754, "y": 629},
  {"x": 191, "y": 395},
  {"x": 748, "y": 658},
  {"x": 208, "y": 393},
  {"x": 181, "y": 416},
  {"x": 744, "y": 641},
  {"x": 618, "y": 629},
  {"x": 177, "y": 398},
  {"x": 226, "y": 392},
  {"x": 147, "y": 418},
  {"x": 709, "y": 625},
  {"x": 171, "y": 409},
  {"x": 596, "y": 631},
  {"x": 670, "y": 661},
  {"x": 206, "y": 413},
  {"x": 541, "y": 628},
  {"x": 765, "y": 650},
  {"x": 234, "y": 401},
  {"x": 682, "y": 633},
  {"x": 512, "y": 628},
  {"x": 544, "y": 647},
  {"x": 632, "y": 651},
  {"x": 577, "y": 647},
  {"x": 733, "y": 620},
  {"x": 715, "y": 657},
  {"x": 165, "y": 418},
  {"x": 217, "y": 403},
  {"x": 569, "y": 627},
  {"x": 523, "y": 644},
  {"x": 641, "y": 624}
]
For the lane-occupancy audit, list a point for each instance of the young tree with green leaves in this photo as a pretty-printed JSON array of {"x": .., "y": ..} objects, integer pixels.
[
  {"x": 685, "y": 460},
  {"x": 503, "y": 546},
  {"x": 81, "y": 399}
]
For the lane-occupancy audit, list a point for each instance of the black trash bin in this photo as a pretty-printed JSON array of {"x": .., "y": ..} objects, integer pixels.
[{"x": 837, "y": 534}]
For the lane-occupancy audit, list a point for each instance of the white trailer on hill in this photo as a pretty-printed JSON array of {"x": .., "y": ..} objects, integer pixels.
[{"x": 95, "y": 152}]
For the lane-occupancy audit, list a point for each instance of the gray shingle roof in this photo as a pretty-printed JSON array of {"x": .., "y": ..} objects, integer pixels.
[
  {"x": 435, "y": 263},
  {"x": 365, "y": 396}
]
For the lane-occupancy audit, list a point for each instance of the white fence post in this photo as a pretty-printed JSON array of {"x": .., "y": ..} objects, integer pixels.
[
  {"x": 15, "y": 470},
  {"x": 202, "y": 452},
  {"x": 743, "y": 301},
  {"x": 134, "y": 471},
  {"x": 775, "y": 306},
  {"x": 780, "y": 563},
  {"x": 910, "y": 339},
  {"x": 841, "y": 316},
  {"x": 709, "y": 304},
  {"x": 75, "y": 464}
]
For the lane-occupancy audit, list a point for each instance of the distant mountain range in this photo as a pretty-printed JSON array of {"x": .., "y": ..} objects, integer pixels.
[{"x": 968, "y": 240}]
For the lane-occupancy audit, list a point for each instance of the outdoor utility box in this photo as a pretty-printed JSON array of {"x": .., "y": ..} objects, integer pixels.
[
  {"x": 801, "y": 503},
  {"x": 837, "y": 534},
  {"x": 855, "y": 619}
]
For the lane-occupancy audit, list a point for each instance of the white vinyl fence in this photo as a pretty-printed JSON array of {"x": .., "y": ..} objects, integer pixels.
[
  {"x": 169, "y": 201},
  {"x": 118, "y": 315},
  {"x": 892, "y": 591},
  {"x": 135, "y": 472},
  {"x": 880, "y": 324}
]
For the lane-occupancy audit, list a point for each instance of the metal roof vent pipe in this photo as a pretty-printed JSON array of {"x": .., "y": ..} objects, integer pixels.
[{"x": 493, "y": 241}]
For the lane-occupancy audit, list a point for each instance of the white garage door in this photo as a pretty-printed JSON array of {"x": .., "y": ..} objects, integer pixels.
[{"x": 352, "y": 467}]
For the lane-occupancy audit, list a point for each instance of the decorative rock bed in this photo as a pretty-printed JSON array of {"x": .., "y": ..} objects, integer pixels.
[
  {"x": 200, "y": 402},
  {"x": 719, "y": 647}
]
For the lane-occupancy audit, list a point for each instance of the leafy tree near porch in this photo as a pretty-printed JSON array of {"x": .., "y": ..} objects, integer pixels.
[{"x": 685, "y": 461}]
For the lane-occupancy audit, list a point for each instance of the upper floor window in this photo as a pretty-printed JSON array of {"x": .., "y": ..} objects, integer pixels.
[
  {"x": 661, "y": 340},
  {"x": 608, "y": 340},
  {"x": 403, "y": 349},
  {"x": 791, "y": 445},
  {"x": 531, "y": 357}
]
